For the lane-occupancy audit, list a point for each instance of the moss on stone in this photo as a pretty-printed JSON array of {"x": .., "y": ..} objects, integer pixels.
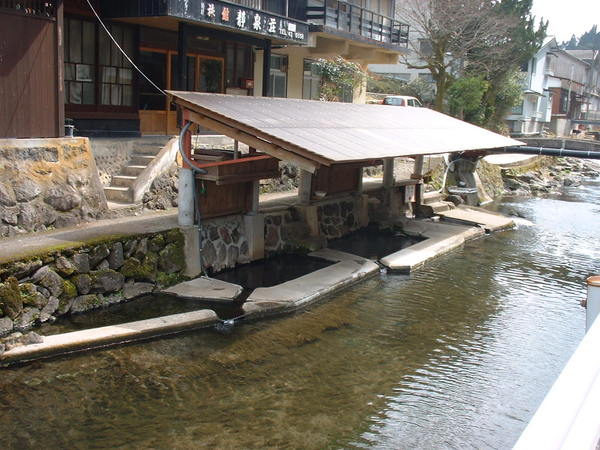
[
  {"x": 172, "y": 258},
  {"x": 175, "y": 236},
  {"x": 69, "y": 290},
  {"x": 169, "y": 279},
  {"x": 11, "y": 300},
  {"x": 140, "y": 270},
  {"x": 157, "y": 243},
  {"x": 29, "y": 294}
]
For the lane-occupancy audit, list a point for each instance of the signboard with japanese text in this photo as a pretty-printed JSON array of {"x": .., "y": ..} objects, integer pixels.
[{"x": 241, "y": 18}]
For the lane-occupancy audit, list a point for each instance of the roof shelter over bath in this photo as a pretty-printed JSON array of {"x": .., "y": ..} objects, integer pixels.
[
  {"x": 318, "y": 133},
  {"x": 331, "y": 142}
]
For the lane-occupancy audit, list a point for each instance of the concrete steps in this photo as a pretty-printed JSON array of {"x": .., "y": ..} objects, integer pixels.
[
  {"x": 120, "y": 188},
  {"x": 439, "y": 207}
]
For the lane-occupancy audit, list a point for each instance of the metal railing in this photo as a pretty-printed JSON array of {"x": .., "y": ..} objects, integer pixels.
[
  {"x": 568, "y": 417},
  {"x": 359, "y": 21},
  {"x": 37, "y": 8}
]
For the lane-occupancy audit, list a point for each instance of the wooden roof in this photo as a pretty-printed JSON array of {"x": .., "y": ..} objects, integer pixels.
[{"x": 329, "y": 132}]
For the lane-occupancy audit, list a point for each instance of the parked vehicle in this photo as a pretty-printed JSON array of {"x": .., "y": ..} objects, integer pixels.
[{"x": 402, "y": 100}]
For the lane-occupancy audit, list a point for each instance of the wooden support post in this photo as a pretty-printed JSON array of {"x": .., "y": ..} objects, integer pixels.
[
  {"x": 304, "y": 187},
  {"x": 181, "y": 69},
  {"x": 266, "y": 81},
  {"x": 60, "y": 61}
]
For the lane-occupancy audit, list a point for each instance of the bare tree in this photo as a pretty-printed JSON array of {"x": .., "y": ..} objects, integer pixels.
[{"x": 448, "y": 31}]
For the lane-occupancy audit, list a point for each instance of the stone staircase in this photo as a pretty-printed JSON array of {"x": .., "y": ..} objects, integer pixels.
[
  {"x": 120, "y": 192},
  {"x": 434, "y": 200},
  {"x": 120, "y": 188}
]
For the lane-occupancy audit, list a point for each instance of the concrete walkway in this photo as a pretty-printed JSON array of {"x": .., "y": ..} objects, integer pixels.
[
  {"x": 19, "y": 247},
  {"x": 111, "y": 335},
  {"x": 471, "y": 215},
  {"x": 441, "y": 238},
  {"x": 302, "y": 291}
]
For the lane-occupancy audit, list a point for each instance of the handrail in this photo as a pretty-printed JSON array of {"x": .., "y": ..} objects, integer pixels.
[
  {"x": 360, "y": 21},
  {"x": 568, "y": 417}
]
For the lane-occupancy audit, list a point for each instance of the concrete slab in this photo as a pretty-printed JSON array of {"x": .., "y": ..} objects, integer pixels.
[
  {"x": 205, "y": 288},
  {"x": 302, "y": 291},
  {"x": 111, "y": 335},
  {"x": 441, "y": 238},
  {"x": 508, "y": 160},
  {"x": 471, "y": 215}
]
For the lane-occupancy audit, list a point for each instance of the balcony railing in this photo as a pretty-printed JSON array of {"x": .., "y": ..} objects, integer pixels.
[
  {"x": 359, "y": 21},
  {"x": 36, "y": 8}
]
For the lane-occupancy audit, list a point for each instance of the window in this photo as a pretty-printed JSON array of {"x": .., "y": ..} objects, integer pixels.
[
  {"x": 95, "y": 70},
  {"x": 311, "y": 85},
  {"x": 518, "y": 109},
  {"x": 278, "y": 76},
  {"x": 116, "y": 74},
  {"x": 80, "y": 56},
  {"x": 154, "y": 65}
]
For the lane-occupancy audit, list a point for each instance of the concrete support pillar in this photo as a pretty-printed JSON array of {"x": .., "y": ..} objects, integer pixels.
[
  {"x": 418, "y": 172},
  {"x": 186, "y": 197},
  {"x": 363, "y": 210},
  {"x": 255, "y": 197},
  {"x": 419, "y": 168},
  {"x": 254, "y": 225},
  {"x": 193, "y": 261},
  {"x": 310, "y": 217},
  {"x": 304, "y": 187}
]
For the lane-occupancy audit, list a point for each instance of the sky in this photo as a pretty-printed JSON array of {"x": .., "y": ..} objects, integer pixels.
[{"x": 567, "y": 17}]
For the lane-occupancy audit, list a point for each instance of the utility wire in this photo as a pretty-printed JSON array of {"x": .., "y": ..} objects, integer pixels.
[{"x": 123, "y": 51}]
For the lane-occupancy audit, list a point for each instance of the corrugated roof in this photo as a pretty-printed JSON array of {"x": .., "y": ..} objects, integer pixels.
[{"x": 331, "y": 132}]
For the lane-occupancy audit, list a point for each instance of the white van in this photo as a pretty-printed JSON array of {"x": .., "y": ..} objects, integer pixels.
[{"x": 402, "y": 100}]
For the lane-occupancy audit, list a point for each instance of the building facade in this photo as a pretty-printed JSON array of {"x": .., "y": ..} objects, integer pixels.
[
  {"x": 559, "y": 90},
  {"x": 241, "y": 47}
]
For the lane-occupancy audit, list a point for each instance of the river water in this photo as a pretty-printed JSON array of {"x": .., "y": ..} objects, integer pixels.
[{"x": 458, "y": 355}]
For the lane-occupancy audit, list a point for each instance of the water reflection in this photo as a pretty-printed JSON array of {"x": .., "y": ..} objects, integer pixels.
[{"x": 457, "y": 355}]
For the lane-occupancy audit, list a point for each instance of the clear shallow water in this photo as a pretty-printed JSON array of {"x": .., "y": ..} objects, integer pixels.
[{"x": 459, "y": 355}]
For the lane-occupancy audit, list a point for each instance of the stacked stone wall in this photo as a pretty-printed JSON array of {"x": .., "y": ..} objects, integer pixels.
[
  {"x": 224, "y": 243},
  {"x": 47, "y": 183},
  {"x": 338, "y": 218},
  {"x": 73, "y": 281}
]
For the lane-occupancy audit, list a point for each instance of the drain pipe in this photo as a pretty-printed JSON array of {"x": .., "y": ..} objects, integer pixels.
[{"x": 528, "y": 150}]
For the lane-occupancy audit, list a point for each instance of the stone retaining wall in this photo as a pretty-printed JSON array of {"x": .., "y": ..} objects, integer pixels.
[
  {"x": 224, "y": 243},
  {"x": 73, "y": 281},
  {"x": 47, "y": 183},
  {"x": 338, "y": 218}
]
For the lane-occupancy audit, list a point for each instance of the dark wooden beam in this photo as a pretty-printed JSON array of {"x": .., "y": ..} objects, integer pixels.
[{"x": 266, "y": 81}]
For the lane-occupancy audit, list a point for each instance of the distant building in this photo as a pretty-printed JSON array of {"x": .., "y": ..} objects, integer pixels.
[
  {"x": 558, "y": 88},
  {"x": 401, "y": 70}
]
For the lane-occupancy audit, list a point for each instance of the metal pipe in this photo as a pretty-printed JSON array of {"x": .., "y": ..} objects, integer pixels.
[{"x": 527, "y": 150}]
